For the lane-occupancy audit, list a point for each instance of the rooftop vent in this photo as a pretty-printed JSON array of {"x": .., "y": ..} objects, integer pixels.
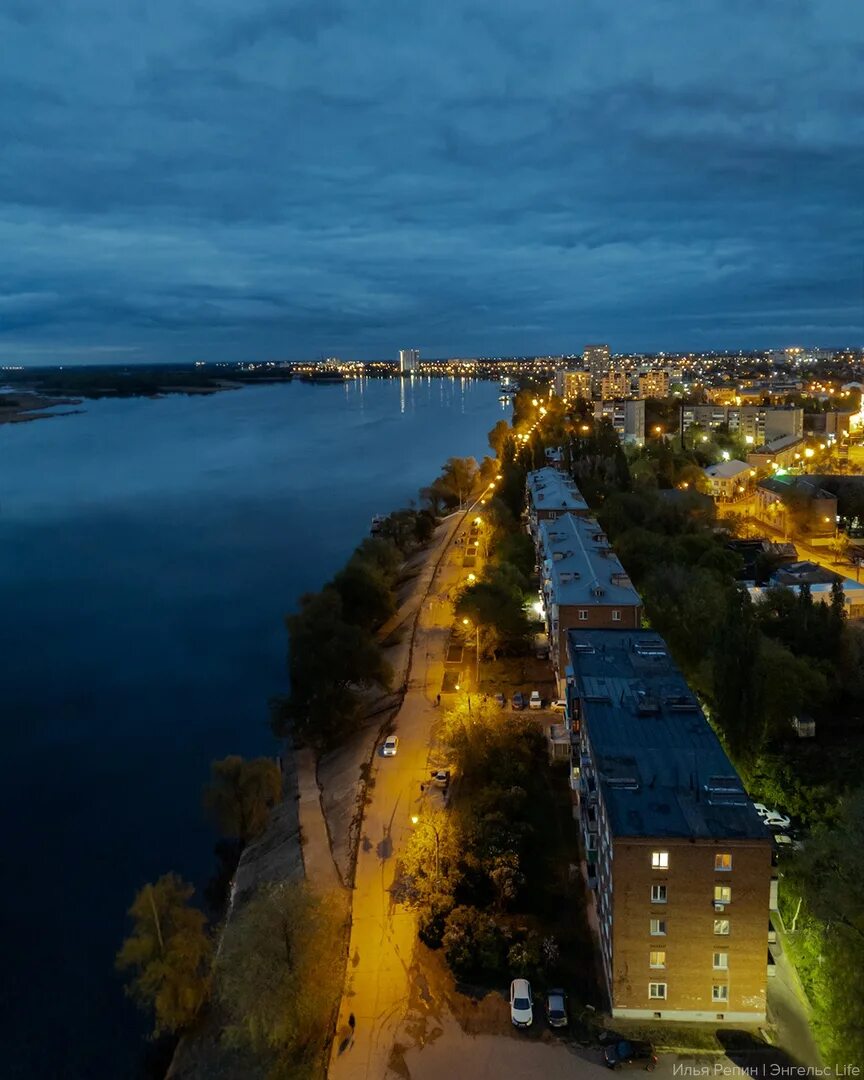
[
  {"x": 727, "y": 790},
  {"x": 681, "y": 703},
  {"x": 649, "y": 647},
  {"x": 646, "y": 703}
]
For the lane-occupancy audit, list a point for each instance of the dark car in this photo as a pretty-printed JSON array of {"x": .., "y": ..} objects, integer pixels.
[
  {"x": 556, "y": 1008},
  {"x": 519, "y": 701},
  {"x": 627, "y": 1054}
]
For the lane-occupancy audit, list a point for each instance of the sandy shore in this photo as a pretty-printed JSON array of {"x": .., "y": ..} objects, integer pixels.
[{"x": 23, "y": 405}]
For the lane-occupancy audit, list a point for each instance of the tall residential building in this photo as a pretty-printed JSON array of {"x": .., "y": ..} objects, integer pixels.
[
  {"x": 571, "y": 385},
  {"x": 598, "y": 360},
  {"x": 654, "y": 384},
  {"x": 409, "y": 360},
  {"x": 627, "y": 417},
  {"x": 678, "y": 862},
  {"x": 616, "y": 384}
]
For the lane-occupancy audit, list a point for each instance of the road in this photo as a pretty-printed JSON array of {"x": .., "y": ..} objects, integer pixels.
[{"x": 383, "y": 933}]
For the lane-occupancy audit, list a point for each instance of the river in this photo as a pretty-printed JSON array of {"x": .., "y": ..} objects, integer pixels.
[{"x": 149, "y": 549}]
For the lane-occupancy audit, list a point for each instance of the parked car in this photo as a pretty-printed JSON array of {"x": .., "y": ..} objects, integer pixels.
[
  {"x": 772, "y": 818},
  {"x": 518, "y": 700},
  {"x": 535, "y": 702},
  {"x": 391, "y": 745},
  {"x": 629, "y": 1054},
  {"x": 521, "y": 1003},
  {"x": 501, "y": 701},
  {"x": 558, "y": 706},
  {"x": 556, "y": 1008},
  {"x": 441, "y": 778}
]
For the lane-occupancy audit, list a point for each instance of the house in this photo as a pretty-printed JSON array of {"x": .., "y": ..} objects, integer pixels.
[
  {"x": 779, "y": 453},
  {"x": 728, "y": 479},
  {"x": 551, "y": 493},
  {"x": 796, "y": 504}
]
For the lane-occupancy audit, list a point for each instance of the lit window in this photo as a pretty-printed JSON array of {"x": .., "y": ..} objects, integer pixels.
[
  {"x": 720, "y": 993},
  {"x": 658, "y": 991},
  {"x": 721, "y": 961},
  {"x": 616, "y": 616},
  {"x": 721, "y": 926},
  {"x": 583, "y": 614},
  {"x": 722, "y": 862},
  {"x": 660, "y": 860},
  {"x": 658, "y": 894},
  {"x": 658, "y": 927},
  {"x": 657, "y": 958},
  {"x": 722, "y": 894}
]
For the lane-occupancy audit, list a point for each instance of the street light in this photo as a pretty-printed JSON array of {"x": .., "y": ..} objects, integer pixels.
[{"x": 415, "y": 821}]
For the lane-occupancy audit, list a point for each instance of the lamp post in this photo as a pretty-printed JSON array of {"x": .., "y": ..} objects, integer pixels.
[{"x": 415, "y": 821}]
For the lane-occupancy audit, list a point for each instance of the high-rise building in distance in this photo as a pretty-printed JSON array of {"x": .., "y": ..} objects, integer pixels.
[
  {"x": 409, "y": 360},
  {"x": 598, "y": 360}
]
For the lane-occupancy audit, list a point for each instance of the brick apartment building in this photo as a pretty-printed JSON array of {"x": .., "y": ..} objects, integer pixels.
[
  {"x": 584, "y": 585},
  {"x": 551, "y": 493},
  {"x": 678, "y": 862}
]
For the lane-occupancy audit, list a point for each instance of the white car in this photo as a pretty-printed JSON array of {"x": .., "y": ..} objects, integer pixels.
[
  {"x": 535, "y": 701},
  {"x": 521, "y": 1005},
  {"x": 391, "y": 745},
  {"x": 559, "y": 706},
  {"x": 772, "y": 818}
]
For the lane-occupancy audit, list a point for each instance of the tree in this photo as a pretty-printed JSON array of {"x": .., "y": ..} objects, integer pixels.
[
  {"x": 736, "y": 691},
  {"x": 330, "y": 661},
  {"x": 168, "y": 954},
  {"x": 458, "y": 476},
  {"x": 473, "y": 942},
  {"x": 367, "y": 599},
  {"x": 279, "y": 971},
  {"x": 499, "y": 436},
  {"x": 241, "y": 795},
  {"x": 506, "y": 877}
]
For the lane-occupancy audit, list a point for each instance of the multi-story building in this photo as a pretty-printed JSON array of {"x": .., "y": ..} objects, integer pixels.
[
  {"x": 409, "y": 360},
  {"x": 598, "y": 360},
  {"x": 616, "y": 384},
  {"x": 796, "y": 504},
  {"x": 779, "y": 453},
  {"x": 654, "y": 384},
  {"x": 755, "y": 424},
  {"x": 584, "y": 585},
  {"x": 551, "y": 493},
  {"x": 627, "y": 417},
  {"x": 678, "y": 862},
  {"x": 728, "y": 479},
  {"x": 571, "y": 384}
]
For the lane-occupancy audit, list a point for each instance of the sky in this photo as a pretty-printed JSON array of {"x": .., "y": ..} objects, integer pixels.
[{"x": 285, "y": 179}]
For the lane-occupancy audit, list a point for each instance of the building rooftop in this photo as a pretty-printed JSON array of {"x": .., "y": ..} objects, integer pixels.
[
  {"x": 579, "y": 566},
  {"x": 727, "y": 470},
  {"x": 785, "y": 483},
  {"x": 550, "y": 489},
  {"x": 775, "y": 446},
  {"x": 661, "y": 769}
]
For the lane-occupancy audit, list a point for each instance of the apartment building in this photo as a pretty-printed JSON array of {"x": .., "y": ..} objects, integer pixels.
[
  {"x": 796, "y": 504},
  {"x": 627, "y": 417},
  {"x": 779, "y": 452},
  {"x": 755, "y": 424},
  {"x": 571, "y": 384},
  {"x": 654, "y": 384},
  {"x": 728, "y": 479},
  {"x": 584, "y": 585},
  {"x": 678, "y": 863},
  {"x": 551, "y": 493},
  {"x": 615, "y": 385}
]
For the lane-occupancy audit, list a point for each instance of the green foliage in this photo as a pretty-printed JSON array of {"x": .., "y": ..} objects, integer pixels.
[
  {"x": 330, "y": 661},
  {"x": 687, "y": 605},
  {"x": 279, "y": 973},
  {"x": 829, "y": 945},
  {"x": 736, "y": 698},
  {"x": 523, "y": 957},
  {"x": 367, "y": 597},
  {"x": 167, "y": 954},
  {"x": 496, "y": 604},
  {"x": 517, "y": 549},
  {"x": 241, "y": 795},
  {"x": 474, "y": 942},
  {"x": 499, "y": 437}
]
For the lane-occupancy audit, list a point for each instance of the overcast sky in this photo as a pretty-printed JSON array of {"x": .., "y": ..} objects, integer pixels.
[{"x": 238, "y": 179}]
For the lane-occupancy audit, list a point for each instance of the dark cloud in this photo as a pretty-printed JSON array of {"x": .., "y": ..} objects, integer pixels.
[{"x": 241, "y": 178}]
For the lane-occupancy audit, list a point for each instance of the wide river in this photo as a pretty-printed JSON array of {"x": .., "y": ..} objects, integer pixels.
[{"x": 149, "y": 550}]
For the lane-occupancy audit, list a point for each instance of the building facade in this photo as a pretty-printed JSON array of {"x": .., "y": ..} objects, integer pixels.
[
  {"x": 654, "y": 384},
  {"x": 571, "y": 384},
  {"x": 597, "y": 359},
  {"x": 626, "y": 417},
  {"x": 728, "y": 479},
  {"x": 615, "y": 385},
  {"x": 796, "y": 505},
  {"x": 779, "y": 454},
  {"x": 678, "y": 862},
  {"x": 756, "y": 424},
  {"x": 409, "y": 360},
  {"x": 549, "y": 494}
]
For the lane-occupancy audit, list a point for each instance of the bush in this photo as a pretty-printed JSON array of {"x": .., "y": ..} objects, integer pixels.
[{"x": 474, "y": 942}]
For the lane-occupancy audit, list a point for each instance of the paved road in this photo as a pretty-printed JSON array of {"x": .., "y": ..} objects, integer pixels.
[{"x": 383, "y": 933}]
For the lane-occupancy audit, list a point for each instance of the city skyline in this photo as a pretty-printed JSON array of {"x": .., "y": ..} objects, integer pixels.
[{"x": 261, "y": 182}]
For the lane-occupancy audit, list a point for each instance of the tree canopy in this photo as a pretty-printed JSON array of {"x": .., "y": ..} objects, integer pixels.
[
  {"x": 167, "y": 955},
  {"x": 241, "y": 794}
]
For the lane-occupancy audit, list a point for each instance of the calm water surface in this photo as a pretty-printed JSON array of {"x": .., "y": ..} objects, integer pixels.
[{"x": 148, "y": 551}]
